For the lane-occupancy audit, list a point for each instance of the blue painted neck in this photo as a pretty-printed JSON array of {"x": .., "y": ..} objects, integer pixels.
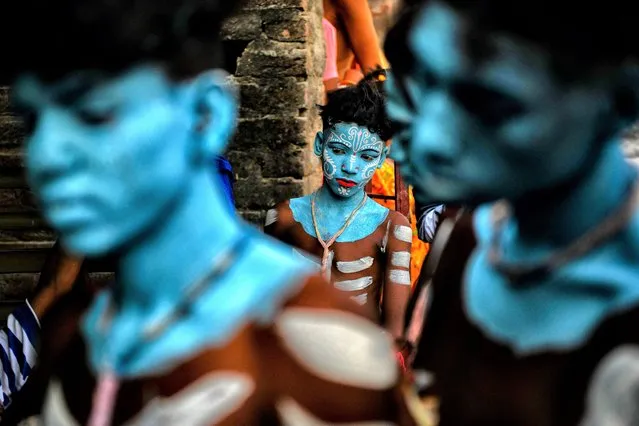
[
  {"x": 562, "y": 215},
  {"x": 343, "y": 206},
  {"x": 179, "y": 250}
]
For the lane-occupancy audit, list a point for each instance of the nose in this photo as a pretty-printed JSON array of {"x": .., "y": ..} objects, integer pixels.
[
  {"x": 50, "y": 148},
  {"x": 349, "y": 166},
  {"x": 437, "y": 132}
]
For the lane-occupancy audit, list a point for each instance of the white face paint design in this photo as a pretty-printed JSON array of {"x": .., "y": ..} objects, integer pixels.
[
  {"x": 470, "y": 124},
  {"x": 339, "y": 347},
  {"x": 354, "y": 285},
  {"x": 354, "y": 266},
  {"x": 401, "y": 259},
  {"x": 350, "y": 156},
  {"x": 403, "y": 233}
]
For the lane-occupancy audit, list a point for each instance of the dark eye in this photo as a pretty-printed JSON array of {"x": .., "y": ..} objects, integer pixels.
[
  {"x": 93, "y": 118},
  {"x": 338, "y": 151},
  {"x": 367, "y": 157},
  {"x": 489, "y": 106}
]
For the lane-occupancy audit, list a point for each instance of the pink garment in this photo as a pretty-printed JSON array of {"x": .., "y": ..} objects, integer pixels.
[{"x": 330, "y": 37}]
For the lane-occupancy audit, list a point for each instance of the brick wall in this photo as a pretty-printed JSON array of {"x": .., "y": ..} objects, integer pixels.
[{"x": 279, "y": 79}]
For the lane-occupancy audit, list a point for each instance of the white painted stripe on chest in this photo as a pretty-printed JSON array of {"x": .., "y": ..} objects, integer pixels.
[
  {"x": 360, "y": 299},
  {"x": 209, "y": 400},
  {"x": 353, "y": 266},
  {"x": 354, "y": 285},
  {"x": 293, "y": 414},
  {"x": 401, "y": 259},
  {"x": 403, "y": 233},
  {"x": 339, "y": 347},
  {"x": 397, "y": 276},
  {"x": 271, "y": 217}
]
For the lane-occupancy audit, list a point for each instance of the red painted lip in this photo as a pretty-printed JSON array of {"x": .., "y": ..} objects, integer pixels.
[{"x": 346, "y": 183}]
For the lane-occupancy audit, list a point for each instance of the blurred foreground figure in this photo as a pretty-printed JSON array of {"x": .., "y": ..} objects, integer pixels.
[
  {"x": 500, "y": 100},
  {"x": 209, "y": 322}
]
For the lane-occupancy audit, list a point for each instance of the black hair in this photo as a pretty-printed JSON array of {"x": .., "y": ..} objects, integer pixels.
[
  {"x": 582, "y": 38},
  {"x": 54, "y": 38},
  {"x": 363, "y": 104}
]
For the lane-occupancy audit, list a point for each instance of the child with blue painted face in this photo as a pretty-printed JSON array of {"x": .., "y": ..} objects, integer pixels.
[
  {"x": 364, "y": 247},
  {"x": 208, "y": 322},
  {"x": 524, "y": 102}
]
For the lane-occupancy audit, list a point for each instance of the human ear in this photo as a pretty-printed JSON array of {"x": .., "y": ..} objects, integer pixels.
[
  {"x": 216, "y": 111},
  {"x": 318, "y": 145}
]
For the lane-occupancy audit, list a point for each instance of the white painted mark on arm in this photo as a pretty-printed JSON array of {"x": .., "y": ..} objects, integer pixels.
[
  {"x": 397, "y": 276},
  {"x": 401, "y": 259},
  {"x": 360, "y": 299},
  {"x": 350, "y": 267},
  {"x": 385, "y": 239},
  {"x": 403, "y": 233},
  {"x": 339, "y": 347},
  {"x": 271, "y": 217},
  {"x": 354, "y": 285}
]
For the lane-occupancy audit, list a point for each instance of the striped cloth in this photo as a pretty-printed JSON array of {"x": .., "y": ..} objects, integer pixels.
[{"x": 17, "y": 350}]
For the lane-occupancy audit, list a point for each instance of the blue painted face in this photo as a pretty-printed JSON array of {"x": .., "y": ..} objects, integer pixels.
[
  {"x": 350, "y": 155},
  {"x": 471, "y": 125},
  {"x": 108, "y": 158}
]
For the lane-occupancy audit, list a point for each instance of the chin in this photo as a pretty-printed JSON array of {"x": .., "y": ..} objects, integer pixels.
[{"x": 91, "y": 243}]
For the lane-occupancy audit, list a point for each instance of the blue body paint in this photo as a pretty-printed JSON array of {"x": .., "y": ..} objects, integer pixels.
[
  {"x": 125, "y": 169},
  {"x": 479, "y": 130},
  {"x": 350, "y": 155}
]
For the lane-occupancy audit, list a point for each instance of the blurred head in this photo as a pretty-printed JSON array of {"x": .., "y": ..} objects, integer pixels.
[
  {"x": 494, "y": 98},
  {"x": 352, "y": 144},
  {"x": 124, "y": 106}
]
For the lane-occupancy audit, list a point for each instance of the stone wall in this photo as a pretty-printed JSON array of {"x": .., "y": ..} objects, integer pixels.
[
  {"x": 279, "y": 78},
  {"x": 275, "y": 51}
]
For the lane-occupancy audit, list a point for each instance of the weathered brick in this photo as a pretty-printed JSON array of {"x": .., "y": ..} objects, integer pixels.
[
  {"x": 264, "y": 96},
  {"x": 17, "y": 199},
  {"x": 285, "y": 25},
  {"x": 272, "y": 132},
  {"x": 277, "y": 4},
  {"x": 4, "y": 100},
  {"x": 254, "y": 217},
  {"x": 265, "y": 57},
  {"x": 244, "y": 26},
  {"x": 259, "y": 194},
  {"x": 11, "y": 131}
]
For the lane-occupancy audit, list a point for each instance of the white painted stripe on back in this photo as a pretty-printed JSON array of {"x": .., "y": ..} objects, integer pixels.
[
  {"x": 360, "y": 299},
  {"x": 398, "y": 276},
  {"x": 271, "y": 217},
  {"x": 403, "y": 233},
  {"x": 354, "y": 285},
  {"x": 350, "y": 267},
  {"x": 401, "y": 259}
]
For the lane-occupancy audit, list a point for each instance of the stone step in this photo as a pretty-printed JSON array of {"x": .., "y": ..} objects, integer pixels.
[
  {"x": 14, "y": 288},
  {"x": 31, "y": 261},
  {"x": 17, "y": 200},
  {"x": 11, "y": 131},
  {"x": 11, "y": 158}
]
